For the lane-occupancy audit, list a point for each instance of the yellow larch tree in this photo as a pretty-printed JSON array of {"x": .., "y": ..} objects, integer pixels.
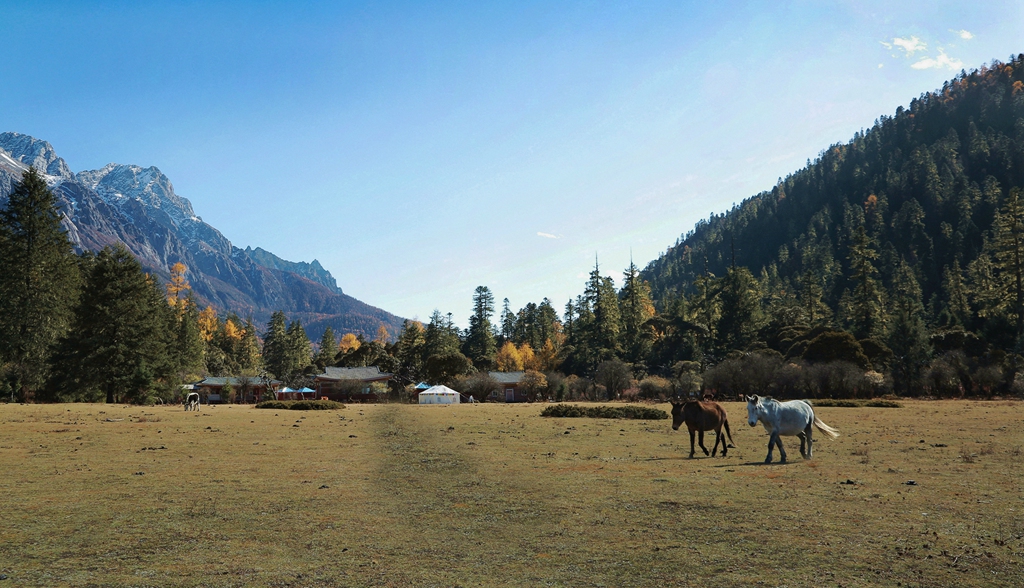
[
  {"x": 508, "y": 358},
  {"x": 348, "y": 343},
  {"x": 208, "y": 324}
]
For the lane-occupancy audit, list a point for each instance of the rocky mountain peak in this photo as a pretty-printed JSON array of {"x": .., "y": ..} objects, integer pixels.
[
  {"x": 116, "y": 183},
  {"x": 30, "y": 151}
]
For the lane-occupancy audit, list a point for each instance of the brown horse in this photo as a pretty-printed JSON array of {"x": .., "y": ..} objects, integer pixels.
[{"x": 700, "y": 417}]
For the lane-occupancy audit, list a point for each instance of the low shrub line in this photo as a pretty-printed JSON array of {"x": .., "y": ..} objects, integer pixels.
[
  {"x": 848, "y": 403},
  {"x": 301, "y": 405},
  {"x": 604, "y": 412}
]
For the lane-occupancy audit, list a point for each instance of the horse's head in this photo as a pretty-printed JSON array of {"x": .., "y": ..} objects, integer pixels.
[
  {"x": 677, "y": 414},
  {"x": 754, "y": 409}
]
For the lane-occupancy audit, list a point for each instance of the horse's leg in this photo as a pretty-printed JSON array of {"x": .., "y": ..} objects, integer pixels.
[
  {"x": 700, "y": 436},
  {"x": 719, "y": 439},
  {"x": 692, "y": 450},
  {"x": 782, "y": 450},
  {"x": 803, "y": 437},
  {"x": 810, "y": 441},
  {"x": 771, "y": 445}
]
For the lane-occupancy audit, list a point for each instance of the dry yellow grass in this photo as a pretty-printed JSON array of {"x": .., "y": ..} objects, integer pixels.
[{"x": 495, "y": 495}]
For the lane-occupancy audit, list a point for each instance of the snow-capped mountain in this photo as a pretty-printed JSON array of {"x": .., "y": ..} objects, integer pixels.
[{"x": 138, "y": 207}]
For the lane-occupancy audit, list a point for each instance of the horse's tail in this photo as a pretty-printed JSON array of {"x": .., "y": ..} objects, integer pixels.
[
  {"x": 725, "y": 423},
  {"x": 832, "y": 433}
]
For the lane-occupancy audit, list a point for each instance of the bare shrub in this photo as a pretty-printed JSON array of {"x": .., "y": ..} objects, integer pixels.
[
  {"x": 749, "y": 373},
  {"x": 838, "y": 379},
  {"x": 655, "y": 388},
  {"x": 988, "y": 379},
  {"x": 966, "y": 455}
]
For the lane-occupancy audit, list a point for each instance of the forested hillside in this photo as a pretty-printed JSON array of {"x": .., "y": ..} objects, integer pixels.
[
  {"x": 922, "y": 210},
  {"x": 925, "y": 184}
]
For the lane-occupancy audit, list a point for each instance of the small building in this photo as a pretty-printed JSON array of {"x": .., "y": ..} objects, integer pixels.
[
  {"x": 214, "y": 390},
  {"x": 350, "y": 384},
  {"x": 510, "y": 384},
  {"x": 439, "y": 395}
]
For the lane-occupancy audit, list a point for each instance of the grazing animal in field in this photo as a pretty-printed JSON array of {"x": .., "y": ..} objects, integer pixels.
[
  {"x": 795, "y": 417},
  {"x": 700, "y": 417},
  {"x": 192, "y": 401}
]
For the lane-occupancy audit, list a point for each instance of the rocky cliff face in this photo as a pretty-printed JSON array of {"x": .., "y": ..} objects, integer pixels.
[{"x": 138, "y": 207}]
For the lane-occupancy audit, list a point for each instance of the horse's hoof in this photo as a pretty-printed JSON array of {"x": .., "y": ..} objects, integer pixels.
[
  {"x": 783, "y": 460},
  {"x": 769, "y": 460}
]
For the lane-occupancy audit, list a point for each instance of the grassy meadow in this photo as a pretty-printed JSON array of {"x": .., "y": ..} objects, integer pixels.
[{"x": 495, "y": 495}]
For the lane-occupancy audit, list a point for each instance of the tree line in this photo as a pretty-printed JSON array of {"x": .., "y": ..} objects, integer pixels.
[{"x": 891, "y": 264}]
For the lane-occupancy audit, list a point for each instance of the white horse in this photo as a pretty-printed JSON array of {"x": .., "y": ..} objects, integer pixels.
[
  {"x": 794, "y": 417},
  {"x": 192, "y": 401}
]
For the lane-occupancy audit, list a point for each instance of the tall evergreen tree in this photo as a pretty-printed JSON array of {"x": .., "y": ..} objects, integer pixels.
[
  {"x": 740, "y": 310},
  {"x": 409, "y": 351},
  {"x": 908, "y": 335},
  {"x": 120, "y": 343},
  {"x": 480, "y": 345},
  {"x": 300, "y": 350},
  {"x": 604, "y": 302},
  {"x": 188, "y": 344},
  {"x": 440, "y": 337},
  {"x": 1008, "y": 249},
  {"x": 39, "y": 283},
  {"x": 637, "y": 309},
  {"x": 276, "y": 352},
  {"x": 328, "y": 349},
  {"x": 508, "y": 322},
  {"x": 867, "y": 306}
]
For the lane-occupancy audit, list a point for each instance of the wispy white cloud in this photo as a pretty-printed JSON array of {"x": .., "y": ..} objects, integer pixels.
[
  {"x": 881, "y": 65},
  {"x": 940, "y": 62},
  {"x": 886, "y": 45},
  {"x": 965, "y": 35},
  {"x": 911, "y": 45},
  {"x": 547, "y": 235}
]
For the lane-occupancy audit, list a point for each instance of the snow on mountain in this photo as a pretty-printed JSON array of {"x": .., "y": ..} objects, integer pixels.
[
  {"x": 138, "y": 207},
  {"x": 30, "y": 151}
]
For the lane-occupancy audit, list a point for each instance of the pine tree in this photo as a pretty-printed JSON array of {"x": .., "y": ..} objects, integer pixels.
[
  {"x": 328, "y": 349},
  {"x": 120, "y": 343},
  {"x": 300, "y": 350},
  {"x": 956, "y": 311},
  {"x": 867, "y": 318},
  {"x": 741, "y": 315},
  {"x": 1008, "y": 248},
  {"x": 637, "y": 309},
  {"x": 602, "y": 299},
  {"x": 480, "y": 345},
  {"x": 249, "y": 359},
  {"x": 39, "y": 283},
  {"x": 908, "y": 335},
  {"x": 276, "y": 355},
  {"x": 508, "y": 322},
  {"x": 188, "y": 344},
  {"x": 409, "y": 350}
]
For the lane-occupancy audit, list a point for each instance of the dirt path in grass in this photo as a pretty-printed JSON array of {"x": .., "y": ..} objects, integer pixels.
[{"x": 449, "y": 517}]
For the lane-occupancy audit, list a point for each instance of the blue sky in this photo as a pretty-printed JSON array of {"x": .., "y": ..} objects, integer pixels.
[{"x": 418, "y": 150}]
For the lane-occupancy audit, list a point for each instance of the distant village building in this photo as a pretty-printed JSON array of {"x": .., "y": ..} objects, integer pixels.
[
  {"x": 510, "y": 387},
  {"x": 350, "y": 384},
  {"x": 244, "y": 389}
]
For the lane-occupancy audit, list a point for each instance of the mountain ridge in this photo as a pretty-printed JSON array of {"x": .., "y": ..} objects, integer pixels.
[{"x": 137, "y": 206}]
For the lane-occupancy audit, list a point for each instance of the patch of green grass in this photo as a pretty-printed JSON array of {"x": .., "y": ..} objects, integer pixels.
[
  {"x": 301, "y": 405},
  {"x": 604, "y": 412}
]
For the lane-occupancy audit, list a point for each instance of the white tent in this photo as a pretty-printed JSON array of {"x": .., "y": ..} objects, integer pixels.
[{"x": 439, "y": 395}]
